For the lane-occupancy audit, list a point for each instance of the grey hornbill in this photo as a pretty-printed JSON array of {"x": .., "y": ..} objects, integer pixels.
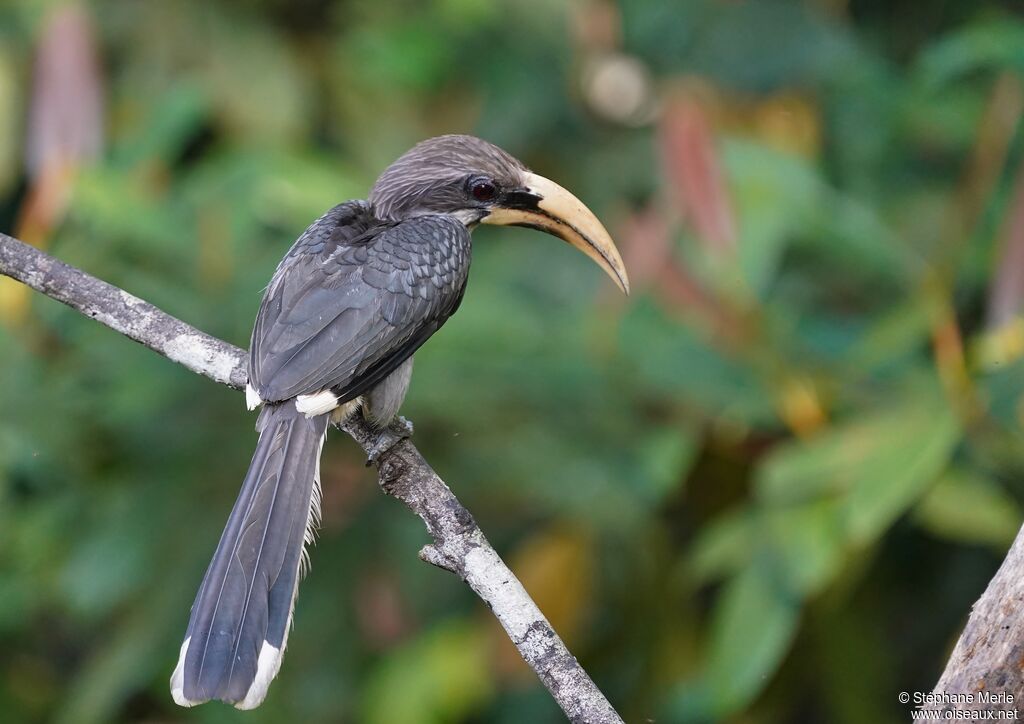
[{"x": 362, "y": 288}]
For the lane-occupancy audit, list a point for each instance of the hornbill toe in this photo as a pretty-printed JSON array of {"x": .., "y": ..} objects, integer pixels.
[{"x": 399, "y": 429}]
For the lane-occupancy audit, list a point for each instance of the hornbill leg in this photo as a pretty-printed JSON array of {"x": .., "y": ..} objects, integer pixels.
[
  {"x": 380, "y": 408},
  {"x": 381, "y": 404},
  {"x": 398, "y": 430}
]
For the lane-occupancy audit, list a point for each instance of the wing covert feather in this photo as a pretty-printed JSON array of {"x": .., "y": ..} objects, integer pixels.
[{"x": 353, "y": 299}]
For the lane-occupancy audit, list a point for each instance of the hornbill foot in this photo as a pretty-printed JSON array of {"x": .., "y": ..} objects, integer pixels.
[
  {"x": 399, "y": 429},
  {"x": 401, "y": 426}
]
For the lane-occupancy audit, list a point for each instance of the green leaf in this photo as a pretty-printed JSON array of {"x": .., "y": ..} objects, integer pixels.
[
  {"x": 167, "y": 126},
  {"x": 900, "y": 469},
  {"x": 995, "y": 43},
  {"x": 807, "y": 542},
  {"x": 664, "y": 457},
  {"x": 775, "y": 194},
  {"x": 674, "y": 362},
  {"x": 257, "y": 84},
  {"x": 723, "y": 546},
  {"x": 10, "y": 121},
  {"x": 895, "y": 335},
  {"x": 966, "y": 507},
  {"x": 442, "y": 676},
  {"x": 129, "y": 653},
  {"x": 877, "y": 465},
  {"x": 754, "y": 622}
]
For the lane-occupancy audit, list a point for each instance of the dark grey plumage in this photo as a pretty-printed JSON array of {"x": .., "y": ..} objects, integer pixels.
[
  {"x": 247, "y": 593},
  {"x": 354, "y": 299},
  {"x": 350, "y": 303},
  {"x": 431, "y": 176}
]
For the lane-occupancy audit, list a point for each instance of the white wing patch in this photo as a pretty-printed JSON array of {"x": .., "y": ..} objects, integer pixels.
[
  {"x": 252, "y": 397},
  {"x": 318, "y": 403}
]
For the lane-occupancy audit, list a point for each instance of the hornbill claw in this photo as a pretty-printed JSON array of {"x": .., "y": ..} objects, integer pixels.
[{"x": 399, "y": 429}]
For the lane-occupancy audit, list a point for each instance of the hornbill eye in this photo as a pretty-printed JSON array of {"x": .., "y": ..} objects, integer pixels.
[{"x": 483, "y": 189}]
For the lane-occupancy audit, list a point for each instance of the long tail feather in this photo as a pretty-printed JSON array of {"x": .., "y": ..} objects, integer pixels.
[{"x": 243, "y": 611}]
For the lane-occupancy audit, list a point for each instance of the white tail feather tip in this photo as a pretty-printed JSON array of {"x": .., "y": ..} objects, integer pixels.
[
  {"x": 266, "y": 669},
  {"x": 178, "y": 679}
]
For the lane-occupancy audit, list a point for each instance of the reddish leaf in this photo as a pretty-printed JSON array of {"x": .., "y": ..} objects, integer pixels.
[
  {"x": 695, "y": 173},
  {"x": 1007, "y": 290},
  {"x": 66, "y": 118}
]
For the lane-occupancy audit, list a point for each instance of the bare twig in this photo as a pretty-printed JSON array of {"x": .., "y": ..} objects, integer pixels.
[
  {"x": 121, "y": 311},
  {"x": 459, "y": 545}
]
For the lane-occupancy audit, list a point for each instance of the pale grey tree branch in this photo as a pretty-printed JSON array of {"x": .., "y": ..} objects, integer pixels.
[
  {"x": 986, "y": 670},
  {"x": 459, "y": 545}
]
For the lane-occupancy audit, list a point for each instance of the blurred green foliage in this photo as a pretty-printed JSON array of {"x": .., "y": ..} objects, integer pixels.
[{"x": 765, "y": 488}]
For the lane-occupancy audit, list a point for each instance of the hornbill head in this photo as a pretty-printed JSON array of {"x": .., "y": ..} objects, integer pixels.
[{"x": 477, "y": 182}]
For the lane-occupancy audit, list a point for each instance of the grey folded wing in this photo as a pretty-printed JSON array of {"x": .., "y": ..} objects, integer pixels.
[{"x": 353, "y": 300}]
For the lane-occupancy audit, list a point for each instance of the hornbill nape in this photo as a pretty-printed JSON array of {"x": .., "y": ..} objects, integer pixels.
[{"x": 363, "y": 287}]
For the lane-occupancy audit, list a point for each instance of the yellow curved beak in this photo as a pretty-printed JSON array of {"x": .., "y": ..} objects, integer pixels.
[{"x": 547, "y": 206}]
